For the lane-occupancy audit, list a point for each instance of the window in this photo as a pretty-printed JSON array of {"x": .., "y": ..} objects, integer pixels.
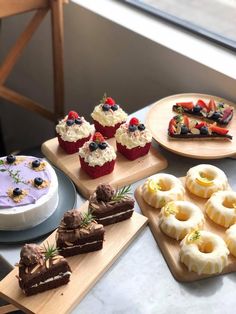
[{"x": 213, "y": 19}]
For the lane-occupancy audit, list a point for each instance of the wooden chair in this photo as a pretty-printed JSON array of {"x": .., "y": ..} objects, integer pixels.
[{"x": 13, "y": 7}]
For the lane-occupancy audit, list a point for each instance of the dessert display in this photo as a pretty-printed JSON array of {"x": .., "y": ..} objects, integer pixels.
[
  {"x": 97, "y": 157},
  {"x": 178, "y": 218},
  {"x": 162, "y": 188},
  {"x": 42, "y": 269},
  {"x": 203, "y": 180},
  {"x": 79, "y": 233},
  {"x": 133, "y": 139},
  {"x": 73, "y": 131},
  {"x": 230, "y": 239},
  {"x": 214, "y": 111},
  {"x": 110, "y": 206},
  {"x": 28, "y": 192},
  {"x": 204, "y": 252},
  {"x": 221, "y": 208},
  {"x": 108, "y": 116},
  {"x": 182, "y": 127}
]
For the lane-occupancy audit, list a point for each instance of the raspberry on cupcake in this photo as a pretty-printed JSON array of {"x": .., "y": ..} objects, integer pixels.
[
  {"x": 97, "y": 157},
  {"x": 108, "y": 116},
  {"x": 133, "y": 139},
  {"x": 73, "y": 131}
]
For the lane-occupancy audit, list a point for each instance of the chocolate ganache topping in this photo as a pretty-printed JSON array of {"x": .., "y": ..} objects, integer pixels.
[
  {"x": 30, "y": 254},
  {"x": 104, "y": 192},
  {"x": 72, "y": 219}
]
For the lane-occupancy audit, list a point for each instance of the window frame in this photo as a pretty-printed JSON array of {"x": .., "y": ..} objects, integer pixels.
[{"x": 188, "y": 26}]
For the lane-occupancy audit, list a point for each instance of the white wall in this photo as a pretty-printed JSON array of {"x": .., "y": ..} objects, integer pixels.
[{"x": 99, "y": 56}]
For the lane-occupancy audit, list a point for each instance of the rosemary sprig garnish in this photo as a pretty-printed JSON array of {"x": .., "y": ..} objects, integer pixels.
[
  {"x": 14, "y": 174},
  {"x": 194, "y": 236},
  {"x": 49, "y": 251},
  {"x": 104, "y": 98},
  {"x": 121, "y": 193},
  {"x": 87, "y": 218}
]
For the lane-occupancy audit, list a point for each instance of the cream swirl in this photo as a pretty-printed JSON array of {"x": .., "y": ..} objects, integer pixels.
[
  {"x": 74, "y": 132},
  {"x": 99, "y": 156},
  {"x": 132, "y": 139},
  {"x": 110, "y": 117}
]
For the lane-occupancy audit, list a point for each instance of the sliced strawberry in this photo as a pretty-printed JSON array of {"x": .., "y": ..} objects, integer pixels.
[
  {"x": 187, "y": 105},
  {"x": 172, "y": 128},
  {"x": 227, "y": 112},
  {"x": 212, "y": 105},
  {"x": 134, "y": 121},
  {"x": 72, "y": 115},
  {"x": 202, "y": 104},
  {"x": 218, "y": 130},
  {"x": 186, "y": 121},
  {"x": 110, "y": 101},
  {"x": 199, "y": 125},
  {"x": 97, "y": 137}
]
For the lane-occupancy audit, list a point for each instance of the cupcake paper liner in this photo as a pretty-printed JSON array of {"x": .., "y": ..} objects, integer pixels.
[
  {"x": 72, "y": 147},
  {"x": 107, "y": 131},
  {"x": 133, "y": 153},
  {"x": 97, "y": 171}
]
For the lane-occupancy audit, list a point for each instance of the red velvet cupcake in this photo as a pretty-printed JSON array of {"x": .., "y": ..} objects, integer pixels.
[
  {"x": 97, "y": 157},
  {"x": 73, "y": 131},
  {"x": 133, "y": 139},
  {"x": 108, "y": 116}
]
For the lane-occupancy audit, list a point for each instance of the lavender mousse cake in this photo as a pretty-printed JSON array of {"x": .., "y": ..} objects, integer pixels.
[
  {"x": 28, "y": 192},
  {"x": 79, "y": 233},
  {"x": 42, "y": 269},
  {"x": 110, "y": 206}
]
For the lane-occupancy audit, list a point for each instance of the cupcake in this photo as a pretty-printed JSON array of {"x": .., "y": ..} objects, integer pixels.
[
  {"x": 108, "y": 116},
  {"x": 133, "y": 140},
  {"x": 73, "y": 131},
  {"x": 97, "y": 157}
]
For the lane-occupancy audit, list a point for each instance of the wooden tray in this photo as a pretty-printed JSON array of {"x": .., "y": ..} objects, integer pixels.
[
  {"x": 125, "y": 172},
  {"x": 86, "y": 270},
  {"x": 158, "y": 120},
  {"x": 170, "y": 247}
]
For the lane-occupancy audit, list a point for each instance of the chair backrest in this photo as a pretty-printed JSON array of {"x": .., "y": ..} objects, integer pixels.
[{"x": 13, "y": 7}]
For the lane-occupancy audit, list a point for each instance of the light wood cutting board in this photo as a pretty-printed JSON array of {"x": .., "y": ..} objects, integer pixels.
[
  {"x": 170, "y": 247},
  {"x": 86, "y": 271},
  {"x": 125, "y": 172},
  {"x": 158, "y": 119}
]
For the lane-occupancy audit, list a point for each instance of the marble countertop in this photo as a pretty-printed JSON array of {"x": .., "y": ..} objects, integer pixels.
[{"x": 140, "y": 280}]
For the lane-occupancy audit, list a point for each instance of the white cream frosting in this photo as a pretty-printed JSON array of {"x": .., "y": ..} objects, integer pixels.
[
  {"x": 99, "y": 156},
  {"x": 132, "y": 139},
  {"x": 204, "y": 263},
  {"x": 110, "y": 117},
  {"x": 74, "y": 132}
]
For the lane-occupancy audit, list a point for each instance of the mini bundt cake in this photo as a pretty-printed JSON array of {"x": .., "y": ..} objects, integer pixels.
[
  {"x": 221, "y": 208},
  {"x": 178, "y": 218},
  {"x": 204, "y": 252},
  {"x": 161, "y": 189},
  {"x": 203, "y": 180},
  {"x": 230, "y": 239}
]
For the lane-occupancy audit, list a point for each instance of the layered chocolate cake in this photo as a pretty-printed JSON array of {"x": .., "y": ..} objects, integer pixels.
[
  {"x": 42, "y": 269},
  {"x": 110, "y": 206},
  {"x": 79, "y": 233}
]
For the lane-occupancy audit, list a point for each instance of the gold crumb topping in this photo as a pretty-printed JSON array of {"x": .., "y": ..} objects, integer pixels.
[{"x": 18, "y": 198}]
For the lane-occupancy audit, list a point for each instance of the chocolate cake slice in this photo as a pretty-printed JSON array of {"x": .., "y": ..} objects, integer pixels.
[
  {"x": 41, "y": 269},
  {"x": 110, "y": 206},
  {"x": 79, "y": 233}
]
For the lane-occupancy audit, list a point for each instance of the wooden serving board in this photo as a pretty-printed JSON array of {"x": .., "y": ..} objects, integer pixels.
[
  {"x": 125, "y": 171},
  {"x": 170, "y": 247},
  {"x": 158, "y": 120},
  {"x": 86, "y": 270}
]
